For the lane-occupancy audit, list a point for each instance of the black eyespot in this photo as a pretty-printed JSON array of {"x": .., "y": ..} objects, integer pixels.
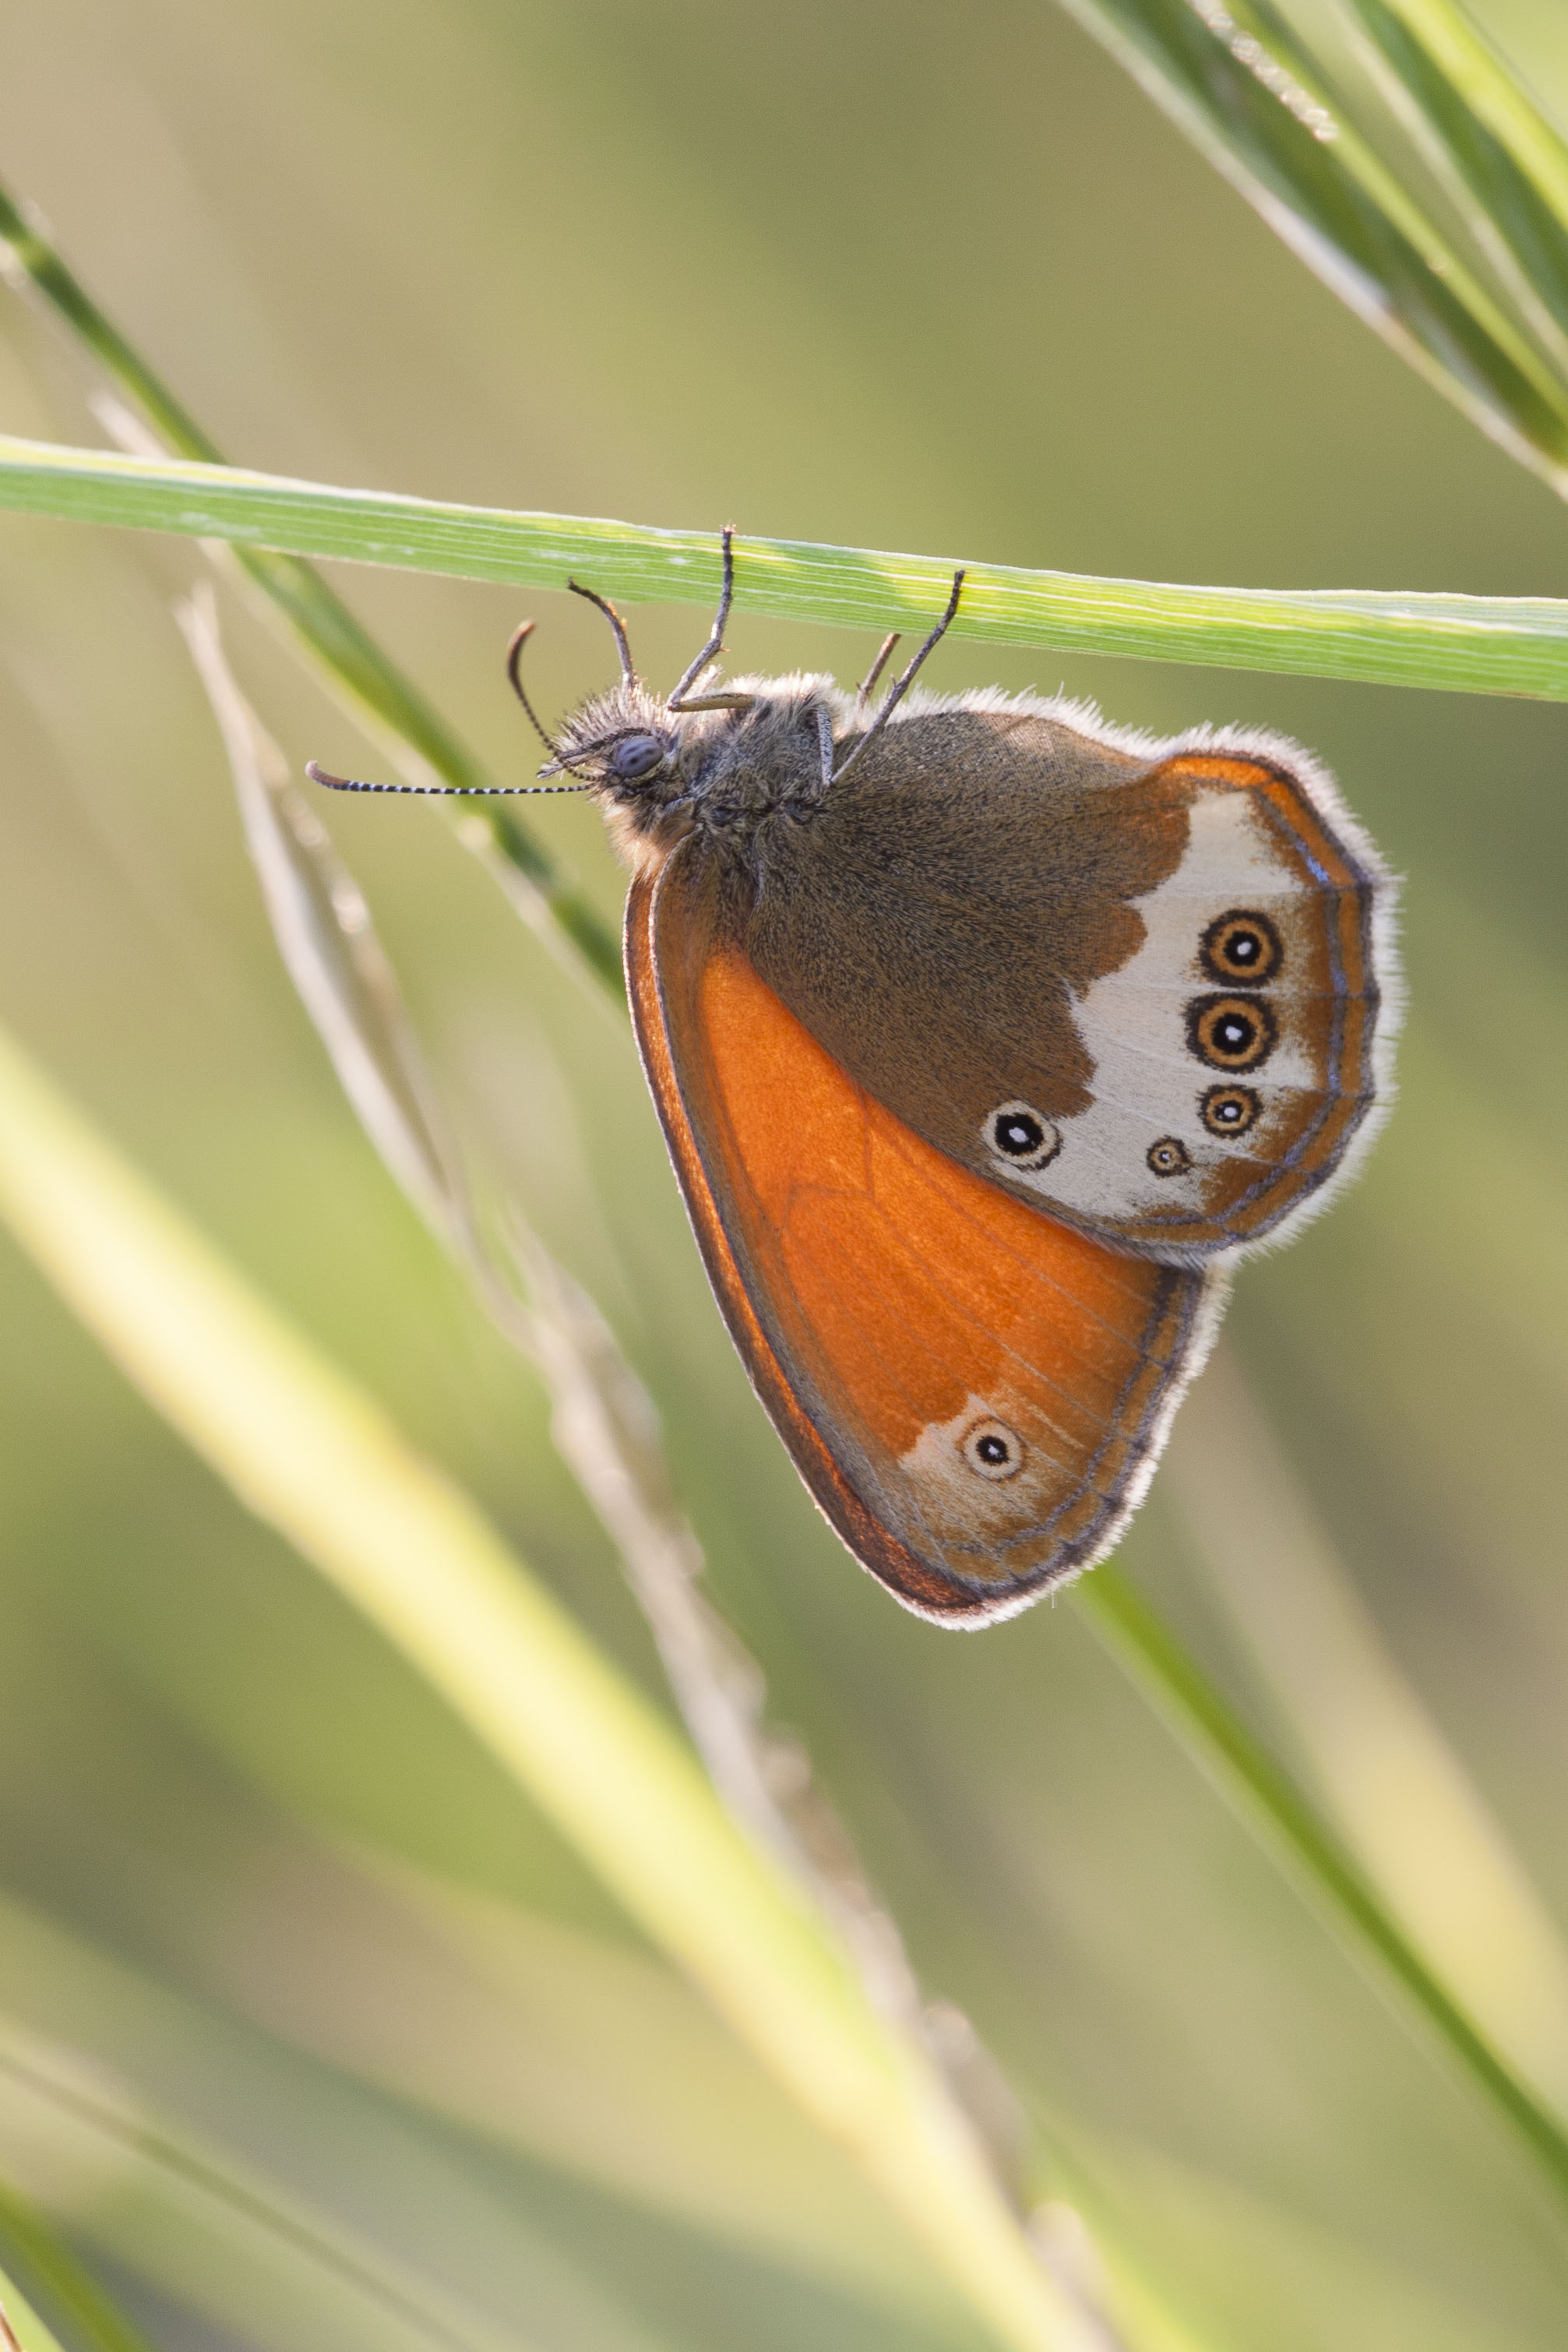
[
  {"x": 635, "y": 756},
  {"x": 1232, "y": 1032},
  {"x": 1228, "y": 1110},
  {"x": 1241, "y": 945},
  {"x": 1170, "y": 1156},
  {"x": 993, "y": 1449},
  {"x": 1017, "y": 1134}
]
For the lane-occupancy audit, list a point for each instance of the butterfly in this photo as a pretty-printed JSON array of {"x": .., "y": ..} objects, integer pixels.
[{"x": 984, "y": 1037}]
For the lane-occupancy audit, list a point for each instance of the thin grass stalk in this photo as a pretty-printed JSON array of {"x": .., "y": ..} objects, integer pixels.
[
  {"x": 1483, "y": 645},
  {"x": 1254, "y": 1785},
  {"x": 604, "y": 1424},
  {"x": 293, "y": 596},
  {"x": 310, "y": 1453}
]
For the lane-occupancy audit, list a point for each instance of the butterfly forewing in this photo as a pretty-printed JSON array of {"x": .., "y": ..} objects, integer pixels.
[{"x": 973, "y": 1391}]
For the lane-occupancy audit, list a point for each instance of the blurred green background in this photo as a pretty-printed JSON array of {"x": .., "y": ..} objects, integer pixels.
[{"x": 885, "y": 276}]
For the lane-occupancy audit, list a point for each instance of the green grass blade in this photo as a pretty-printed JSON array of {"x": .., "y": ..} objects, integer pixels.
[
  {"x": 1473, "y": 69},
  {"x": 387, "y": 704},
  {"x": 1246, "y": 93},
  {"x": 1495, "y": 143},
  {"x": 312, "y": 1455},
  {"x": 1359, "y": 1732},
  {"x": 1486, "y": 645},
  {"x": 1254, "y": 1784},
  {"x": 41, "y": 2282}
]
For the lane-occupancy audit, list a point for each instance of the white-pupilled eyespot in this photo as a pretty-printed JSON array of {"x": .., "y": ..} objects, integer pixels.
[
  {"x": 992, "y": 1449},
  {"x": 1017, "y": 1135}
]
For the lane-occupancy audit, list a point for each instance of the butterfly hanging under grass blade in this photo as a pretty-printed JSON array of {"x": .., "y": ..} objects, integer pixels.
[{"x": 984, "y": 1037}]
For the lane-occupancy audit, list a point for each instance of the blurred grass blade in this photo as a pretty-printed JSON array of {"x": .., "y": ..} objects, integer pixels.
[
  {"x": 1491, "y": 140},
  {"x": 1488, "y": 644},
  {"x": 187, "y": 2143},
  {"x": 200, "y": 2226},
  {"x": 312, "y": 1455},
  {"x": 41, "y": 2282},
  {"x": 1401, "y": 1797},
  {"x": 15, "y": 2307},
  {"x": 1458, "y": 49},
  {"x": 606, "y": 1430},
  {"x": 1243, "y": 90},
  {"x": 1251, "y": 1781},
  {"x": 383, "y": 701}
]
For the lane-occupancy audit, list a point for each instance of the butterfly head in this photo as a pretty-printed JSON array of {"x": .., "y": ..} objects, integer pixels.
[{"x": 624, "y": 743}]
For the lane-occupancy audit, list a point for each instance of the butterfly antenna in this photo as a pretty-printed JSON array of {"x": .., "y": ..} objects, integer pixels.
[
  {"x": 628, "y": 675},
  {"x": 515, "y": 680},
  {"x": 320, "y": 775},
  {"x": 905, "y": 678}
]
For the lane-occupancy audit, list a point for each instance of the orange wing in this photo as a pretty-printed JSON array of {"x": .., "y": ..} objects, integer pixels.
[{"x": 975, "y": 1393}]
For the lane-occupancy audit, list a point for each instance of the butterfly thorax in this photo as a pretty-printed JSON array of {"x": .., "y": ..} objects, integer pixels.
[{"x": 661, "y": 775}]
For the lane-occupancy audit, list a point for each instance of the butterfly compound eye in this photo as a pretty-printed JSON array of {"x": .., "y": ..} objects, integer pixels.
[{"x": 635, "y": 756}]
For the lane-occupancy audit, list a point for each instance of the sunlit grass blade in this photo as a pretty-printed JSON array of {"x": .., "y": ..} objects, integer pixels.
[
  {"x": 41, "y": 2282},
  {"x": 386, "y": 703},
  {"x": 1492, "y": 141},
  {"x": 1453, "y": 39},
  {"x": 311, "y": 1454},
  {"x": 1486, "y": 645},
  {"x": 1236, "y": 82},
  {"x": 1399, "y": 1794},
  {"x": 1250, "y": 1780}
]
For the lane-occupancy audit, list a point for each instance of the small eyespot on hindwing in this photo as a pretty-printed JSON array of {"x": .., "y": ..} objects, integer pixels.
[
  {"x": 1232, "y": 1032},
  {"x": 1242, "y": 947},
  {"x": 1229, "y": 1111},
  {"x": 1170, "y": 1156},
  {"x": 1018, "y": 1136},
  {"x": 992, "y": 1449}
]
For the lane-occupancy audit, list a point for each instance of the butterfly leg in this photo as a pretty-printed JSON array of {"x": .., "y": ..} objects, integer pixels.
[
  {"x": 863, "y": 692},
  {"x": 907, "y": 676},
  {"x": 714, "y": 644},
  {"x": 827, "y": 747}
]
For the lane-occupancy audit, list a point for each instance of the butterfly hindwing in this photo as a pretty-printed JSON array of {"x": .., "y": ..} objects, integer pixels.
[
  {"x": 973, "y": 1393},
  {"x": 1141, "y": 986}
]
